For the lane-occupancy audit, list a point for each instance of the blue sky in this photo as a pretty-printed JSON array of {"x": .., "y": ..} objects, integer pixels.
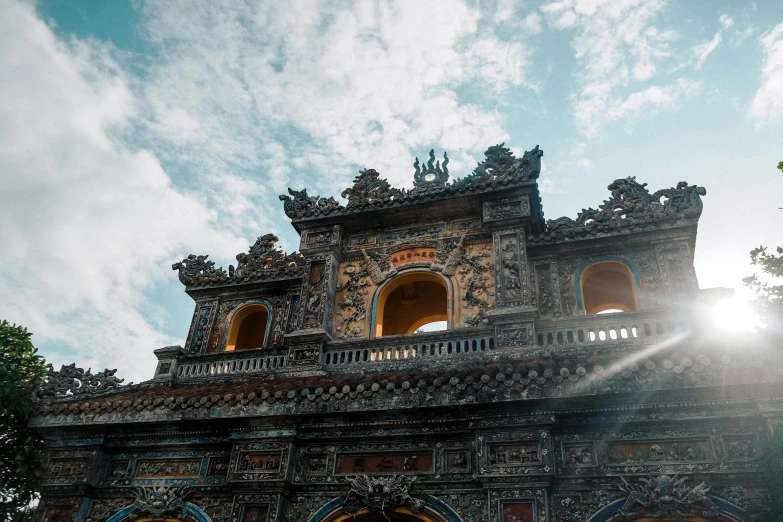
[{"x": 133, "y": 133}]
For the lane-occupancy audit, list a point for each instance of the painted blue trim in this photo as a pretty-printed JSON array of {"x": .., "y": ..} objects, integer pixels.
[
  {"x": 326, "y": 509},
  {"x": 449, "y": 296},
  {"x": 190, "y": 509},
  {"x": 269, "y": 308},
  {"x": 441, "y": 507},
  {"x": 609, "y": 512},
  {"x": 119, "y": 515},
  {"x": 433, "y": 503},
  {"x": 578, "y": 277}
]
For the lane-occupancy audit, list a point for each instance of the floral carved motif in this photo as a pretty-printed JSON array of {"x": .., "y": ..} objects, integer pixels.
[
  {"x": 474, "y": 274},
  {"x": 353, "y": 305}
]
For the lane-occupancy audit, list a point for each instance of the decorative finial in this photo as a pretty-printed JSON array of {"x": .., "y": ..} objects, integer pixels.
[{"x": 433, "y": 174}]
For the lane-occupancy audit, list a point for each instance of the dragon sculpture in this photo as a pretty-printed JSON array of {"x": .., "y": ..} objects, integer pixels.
[
  {"x": 380, "y": 494},
  {"x": 666, "y": 496}
]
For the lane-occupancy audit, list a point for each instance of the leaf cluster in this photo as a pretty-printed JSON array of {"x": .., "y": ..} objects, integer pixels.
[
  {"x": 768, "y": 300},
  {"x": 771, "y": 462},
  {"x": 21, "y": 462}
]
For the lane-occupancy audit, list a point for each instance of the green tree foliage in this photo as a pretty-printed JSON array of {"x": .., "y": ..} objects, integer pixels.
[
  {"x": 771, "y": 510},
  {"x": 768, "y": 300},
  {"x": 21, "y": 372}
]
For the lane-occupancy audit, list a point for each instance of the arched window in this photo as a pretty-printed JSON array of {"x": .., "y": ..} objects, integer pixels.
[
  {"x": 410, "y": 301},
  {"x": 249, "y": 328},
  {"x": 608, "y": 286}
]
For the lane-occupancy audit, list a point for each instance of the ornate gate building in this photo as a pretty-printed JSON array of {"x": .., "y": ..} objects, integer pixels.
[{"x": 311, "y": 387}]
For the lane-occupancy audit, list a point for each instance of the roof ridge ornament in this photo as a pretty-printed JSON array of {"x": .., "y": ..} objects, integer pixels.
[
  {"x": 369, "y": 187},
  {"x": 500, "y": 164},
  {"x": 262, "y": 261},
  {"x": 499, "y": 170},
  {"x": 433, "y": 175},
  {"x": 631, "y": 204},
  {"x": 71, "y": 381}
]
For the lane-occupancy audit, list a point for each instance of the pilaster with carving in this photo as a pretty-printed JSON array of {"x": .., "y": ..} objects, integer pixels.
[
  {"x": 511, "y": 268},
  {"x": 676, "y": 267}
]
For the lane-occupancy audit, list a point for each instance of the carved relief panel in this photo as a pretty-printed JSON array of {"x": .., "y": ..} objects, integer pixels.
[
  {"x": 676, "y": 266},
  {"x": 518, "y": 505},
  {"x": 507, "y": 208},
  {"x": 200, "y": 328},
  {"x": 683, "y": 449},
  {"x": 259, "y": 461},
  {"x": 353, "y": 293},
  {"x": 154, "y": 468},
  {"x": 515, "y": 453},
  {"x": 68, "y": 467},
  {"x": 315, "y": 290},
  {"x": 101, "y": 509},
  {"x": 58, "y": 509},
  {"x": 511, "y": 268},
  {"x": 321, "y": 237},
  {"x": 477, "y": 283},
  {"x": 253, "y": 507},
  {"x": 547, "y": 288},
  {"x": 318, "y": 464}
]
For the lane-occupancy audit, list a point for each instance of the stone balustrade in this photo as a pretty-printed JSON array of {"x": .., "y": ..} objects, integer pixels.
[
  {"x": 605, "y": 329},
  {"x": 635, "y": 328},
  {"x": 237, "y": 363},
  {"x": 400, "y": 348}
]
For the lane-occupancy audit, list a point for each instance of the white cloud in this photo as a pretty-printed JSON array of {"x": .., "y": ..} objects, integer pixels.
[
  {"x": 532, "y": 23},
  {"x": 653, "y": 98},
  {"x": 726, "y": 21},
  {"x": 702, "y": 51},
  {"x": 585, "y": 164},
  {"x": 358, "y": 83},
  {"x": 618, "y": 46},
  {"x": 88, "y": 223},
  {"x": 767, "y": 106}
]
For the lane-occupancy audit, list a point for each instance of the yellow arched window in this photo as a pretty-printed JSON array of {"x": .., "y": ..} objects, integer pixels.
[
  {"x": 608, "y": 286},
  {"x": 410, "y": 301},
  {"x": 248, "y": 329}
]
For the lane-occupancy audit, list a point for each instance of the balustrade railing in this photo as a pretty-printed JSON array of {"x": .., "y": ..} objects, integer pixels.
[
  {"x": 610, "y": 328},
  {"x": 251, "y": 364},
  {"x": 595, "y": 330},
  {"x": 411, "y": 348}
]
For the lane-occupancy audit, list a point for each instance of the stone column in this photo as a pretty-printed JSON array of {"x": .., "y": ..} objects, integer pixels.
[
  {"x": 514, "y": 315},
  {"x": 321, "y": 247}
]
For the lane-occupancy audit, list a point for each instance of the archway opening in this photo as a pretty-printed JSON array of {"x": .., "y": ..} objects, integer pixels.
[
  {"x": 399, "y": 515},
  {"x": 248, "y": 328},
  {"x": 411, "y": 301},
  {"x": 608, "y": 286}
]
